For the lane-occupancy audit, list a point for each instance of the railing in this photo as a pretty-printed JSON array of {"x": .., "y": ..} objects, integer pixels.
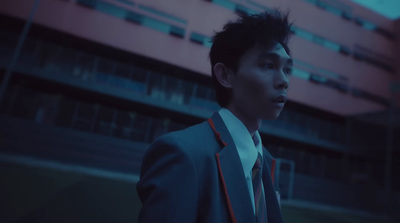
[
  {"x": 374, "y": 58},
  {"x": 57, "y": 62},
  {"x": 286, "y": 185},
  {"x": 121, "y": 156}
]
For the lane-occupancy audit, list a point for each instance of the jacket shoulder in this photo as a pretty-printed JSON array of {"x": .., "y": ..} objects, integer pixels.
[{"x": 195, "y": 139}]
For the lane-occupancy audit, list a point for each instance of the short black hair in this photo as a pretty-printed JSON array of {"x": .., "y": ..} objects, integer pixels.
[{"x": 237, "y": 37}]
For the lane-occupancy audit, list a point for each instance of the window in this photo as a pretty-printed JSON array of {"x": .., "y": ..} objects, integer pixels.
[
  {"x": 346, "y": 16},
  {"x": 317, "y": 39},
  {"x": 201, "y": 39},
  {"x": 238, "y": 8},
  {"x": 331, "y": 45},
  {"x": 303, "y": 34},
  {"x": 385, "y": 33},
  {"x": 373, "y": 58},
  {"x": 365, "y": 24},
  {"x": 369, "y": 96},
  {"x": 300, "y": 73},
  {"x": 88, "y": 3},
  {"x": 138, "y": 18},
  {"x": 155, "y": 24},
  {"x": 177, "y": 31},
  {"x": 242, "y": 9},
  {"x": 225, "y": 3},
  {"x": 345, "y": 12},
  {"x": 317, "y": 79},
  {"x": 197, "y": 38},
  {"x": 134, "y": 17},
  {"x": 372, "y": 27},
  {"x": 333, "y": 6},
  {"x": 111, "y": 9},
  {"x": 163, "y": 14},
  {"x": 104, "y": 120},
  {"x": 337, "y": 85},
  {"x": 128, "y": 2},
  {"x": 344, "y": 50}
]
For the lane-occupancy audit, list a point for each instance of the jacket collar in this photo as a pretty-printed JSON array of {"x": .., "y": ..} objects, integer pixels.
[
  {"x": 231, "y": 173},
  {"x": 234, "y": 182},
  {"x": 247, "y": 146}
]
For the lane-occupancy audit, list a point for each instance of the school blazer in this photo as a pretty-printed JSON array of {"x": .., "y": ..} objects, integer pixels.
[{"x": 195, "y": 175}]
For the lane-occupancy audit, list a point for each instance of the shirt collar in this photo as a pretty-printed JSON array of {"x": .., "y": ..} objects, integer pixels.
[{"x": 248, "y": 147}]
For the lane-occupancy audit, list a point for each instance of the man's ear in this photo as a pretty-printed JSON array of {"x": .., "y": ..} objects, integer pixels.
[{"x": 223, "y": 74}]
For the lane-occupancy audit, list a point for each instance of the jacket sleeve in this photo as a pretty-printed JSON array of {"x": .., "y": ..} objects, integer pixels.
[{"x": 168, "y": 187}]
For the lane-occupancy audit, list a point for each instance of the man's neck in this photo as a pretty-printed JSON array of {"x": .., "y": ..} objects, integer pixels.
[{"x": 252, "y": 124}]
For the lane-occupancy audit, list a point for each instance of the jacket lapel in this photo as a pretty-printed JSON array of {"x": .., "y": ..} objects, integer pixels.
[
  {"x": 232, "y": 176},
  {"x": 273, "y": 207}
]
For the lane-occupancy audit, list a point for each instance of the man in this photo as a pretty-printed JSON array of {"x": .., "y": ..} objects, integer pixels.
[{"x": 208, "y": 172}]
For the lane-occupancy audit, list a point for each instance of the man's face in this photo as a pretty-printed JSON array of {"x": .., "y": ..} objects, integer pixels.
[{"x": 260, "y": 84}]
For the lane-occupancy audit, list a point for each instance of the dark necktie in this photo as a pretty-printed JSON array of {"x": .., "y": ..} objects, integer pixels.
[{"x": 259, "y": 198}]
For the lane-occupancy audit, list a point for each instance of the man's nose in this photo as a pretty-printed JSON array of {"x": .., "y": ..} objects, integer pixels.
[{"x": 282, "y": 81}]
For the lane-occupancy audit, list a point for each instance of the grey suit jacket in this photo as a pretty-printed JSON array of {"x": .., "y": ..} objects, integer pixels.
[{"x": 195, "y": 175}]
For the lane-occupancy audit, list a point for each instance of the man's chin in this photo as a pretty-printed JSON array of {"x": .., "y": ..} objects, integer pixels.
[{"x": 271, "y": 117}]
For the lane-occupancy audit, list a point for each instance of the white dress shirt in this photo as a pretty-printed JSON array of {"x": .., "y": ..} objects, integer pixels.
[{"x": 248, "y": 147}]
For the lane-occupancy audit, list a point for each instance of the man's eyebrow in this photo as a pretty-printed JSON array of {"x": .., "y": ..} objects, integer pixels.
[{"x": 275, "y": 56}]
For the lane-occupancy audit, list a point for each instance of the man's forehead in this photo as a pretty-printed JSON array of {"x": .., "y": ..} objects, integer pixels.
[{"x": 276, "y": 51}]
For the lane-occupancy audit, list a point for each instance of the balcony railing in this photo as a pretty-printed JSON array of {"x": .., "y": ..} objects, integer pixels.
[{"x": 83, "y": 70}]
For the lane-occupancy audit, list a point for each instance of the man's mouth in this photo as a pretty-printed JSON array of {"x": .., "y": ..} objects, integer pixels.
[{"x": 280, "y": 99}]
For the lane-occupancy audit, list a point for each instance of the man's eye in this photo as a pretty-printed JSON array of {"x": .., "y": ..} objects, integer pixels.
[{"x": 269, "y": 65}]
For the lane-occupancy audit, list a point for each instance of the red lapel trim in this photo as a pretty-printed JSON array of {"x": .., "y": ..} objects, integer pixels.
[
  {"x": 273, "y": 171},
  {"x": 219, "y": 139},
  {"x": 225, "y": 190},
  {"x": 217, "y": 134},
  {"x": 273, "y": 164}
]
